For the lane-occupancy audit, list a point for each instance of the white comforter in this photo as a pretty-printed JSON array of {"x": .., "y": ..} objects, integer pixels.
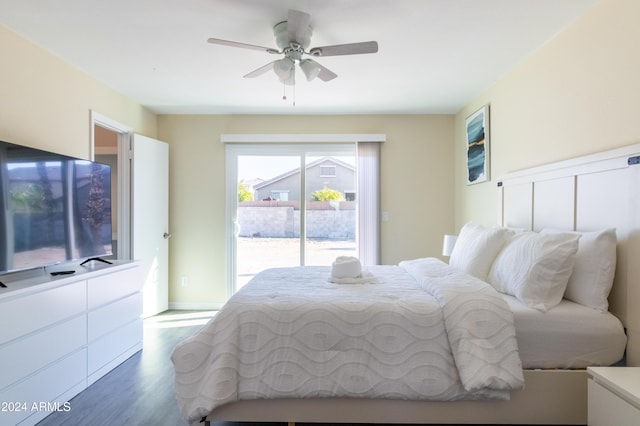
[{"x": 419, "y": 331}]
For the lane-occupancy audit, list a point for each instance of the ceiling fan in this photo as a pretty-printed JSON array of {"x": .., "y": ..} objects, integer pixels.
[{"x": 292, "y": 38}]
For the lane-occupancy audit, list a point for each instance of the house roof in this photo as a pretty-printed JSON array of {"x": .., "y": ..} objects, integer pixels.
[
  {"x": 309, "y": 165},
  {"x": 435, "y": 56}
]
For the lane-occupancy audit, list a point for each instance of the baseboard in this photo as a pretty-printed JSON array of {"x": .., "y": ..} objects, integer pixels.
[{"x": 215, "y": 306}]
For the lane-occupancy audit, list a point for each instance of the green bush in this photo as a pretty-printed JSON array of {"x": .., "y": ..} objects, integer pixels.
[
  {"x": 327, "y": 194},
  {"x": 243, "y": 193}
]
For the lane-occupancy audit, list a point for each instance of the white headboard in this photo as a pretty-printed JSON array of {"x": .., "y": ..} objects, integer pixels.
[{"x": 585, "y": 194}]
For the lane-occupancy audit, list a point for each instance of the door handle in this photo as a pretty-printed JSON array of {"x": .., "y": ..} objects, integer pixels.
[{"x": 166, "y": 235}]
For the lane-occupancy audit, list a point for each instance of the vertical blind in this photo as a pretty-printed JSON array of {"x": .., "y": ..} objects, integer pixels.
[{"x": 368, "y": 190}]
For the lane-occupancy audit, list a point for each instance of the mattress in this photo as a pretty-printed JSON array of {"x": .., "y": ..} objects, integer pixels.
[{"x": 569, "y": 335}]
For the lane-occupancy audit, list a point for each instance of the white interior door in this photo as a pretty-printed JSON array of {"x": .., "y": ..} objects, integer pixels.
[{"x": 150, "y": 219}]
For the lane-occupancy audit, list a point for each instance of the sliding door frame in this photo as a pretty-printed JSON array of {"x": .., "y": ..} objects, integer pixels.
[
  {"x": 233, "y": 152},
  {"x": 273, "y": 144}
]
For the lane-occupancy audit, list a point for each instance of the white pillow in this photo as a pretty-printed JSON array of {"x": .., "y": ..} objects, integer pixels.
[
  {"x": 477, "y": 247},
  {"x": 593, "y": 269},
  {"x": 535, "y": 268}
]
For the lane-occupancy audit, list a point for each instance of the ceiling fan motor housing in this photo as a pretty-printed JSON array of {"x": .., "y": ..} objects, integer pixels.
[{"x": 293, "y": 49}]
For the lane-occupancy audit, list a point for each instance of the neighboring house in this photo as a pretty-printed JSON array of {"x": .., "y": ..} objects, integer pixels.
[{"x": 327, "y": 172}]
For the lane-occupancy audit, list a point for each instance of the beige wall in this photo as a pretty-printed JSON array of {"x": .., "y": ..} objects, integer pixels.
[
  {"x": 417, "y": 188},
  {"x": 578, "y": 94},
  {"x": 45, "y": 103}
]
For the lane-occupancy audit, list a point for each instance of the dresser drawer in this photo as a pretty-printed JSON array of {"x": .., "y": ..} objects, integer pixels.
[
  {"x": 110, "y": 346},
  {"x": 37, "y": 350},
  {"x": 107, "y": 288},
  {"x": 607, "y": 408},
  {"x": 112, "y": 316},
  {"x": 30, "y": 313},
  {"x": 58, "y": 382}
]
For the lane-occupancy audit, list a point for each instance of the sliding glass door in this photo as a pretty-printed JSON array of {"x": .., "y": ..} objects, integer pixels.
[{"x": 289, "y": 205}]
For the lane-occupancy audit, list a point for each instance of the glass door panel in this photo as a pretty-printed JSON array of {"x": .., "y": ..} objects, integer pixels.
[{"x": 267, "y": 220}]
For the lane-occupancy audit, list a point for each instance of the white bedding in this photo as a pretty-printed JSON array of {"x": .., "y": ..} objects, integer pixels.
[
  {"x": 292, "y": 333},
  {"x": 567, "y": 336}
]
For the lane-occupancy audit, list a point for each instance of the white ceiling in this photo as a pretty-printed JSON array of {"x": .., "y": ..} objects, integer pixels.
[{"x": 434, "y": 55}]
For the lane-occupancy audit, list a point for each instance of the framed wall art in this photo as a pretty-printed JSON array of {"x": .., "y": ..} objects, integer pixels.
[{"x": 478, "y": 158}]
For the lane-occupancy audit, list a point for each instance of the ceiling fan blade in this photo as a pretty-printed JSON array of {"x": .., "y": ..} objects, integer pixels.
[
  {"x": 258, "y": 72},
  {"x": 345, "y": 49},
  {"x": 325, "y": 74},
  {"x": 242, "y": 45},
  {"x": 297, "y": 26}
]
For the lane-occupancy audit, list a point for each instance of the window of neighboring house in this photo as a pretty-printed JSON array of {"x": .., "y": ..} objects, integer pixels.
[
  {"x": 327, "y": 171},
  {"x": 349, "y": 195},
  {"x": 280, "y": 195}
]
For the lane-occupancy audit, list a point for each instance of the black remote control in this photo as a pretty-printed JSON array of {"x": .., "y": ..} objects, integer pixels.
[{"x": 62, "y": 273}]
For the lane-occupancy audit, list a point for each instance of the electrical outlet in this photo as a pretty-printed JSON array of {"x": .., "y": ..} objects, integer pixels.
[{"x": 184, "y": 281}]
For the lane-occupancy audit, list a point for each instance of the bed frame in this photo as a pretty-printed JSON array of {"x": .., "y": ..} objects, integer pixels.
[{"x": 586, "y": 193}]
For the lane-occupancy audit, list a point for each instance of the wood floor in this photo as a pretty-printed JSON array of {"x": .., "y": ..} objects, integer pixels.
[{"x": 139, "y": 392}]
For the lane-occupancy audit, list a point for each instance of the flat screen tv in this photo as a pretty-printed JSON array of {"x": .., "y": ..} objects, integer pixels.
[{"x": 53, "y": 208}]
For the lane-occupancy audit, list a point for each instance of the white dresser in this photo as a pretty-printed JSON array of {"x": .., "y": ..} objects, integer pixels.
[
  {"x": 614, "y": 396},
  {"x": 59, "y": 334}
]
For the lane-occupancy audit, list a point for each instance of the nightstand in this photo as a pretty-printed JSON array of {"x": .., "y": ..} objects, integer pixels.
[{"x": 614, "y": 396}]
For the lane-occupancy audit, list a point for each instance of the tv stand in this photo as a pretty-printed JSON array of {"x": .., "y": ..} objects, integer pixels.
[
  {"x": 97, "y": 259},
  {"x": 85, "y": 324}
]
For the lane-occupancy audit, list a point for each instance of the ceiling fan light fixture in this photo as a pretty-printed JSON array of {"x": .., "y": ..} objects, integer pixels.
[
  {"x": 310, "y": 68},
  {"x": 289, "y": 81},
  {"x": 283, "y": 68}
]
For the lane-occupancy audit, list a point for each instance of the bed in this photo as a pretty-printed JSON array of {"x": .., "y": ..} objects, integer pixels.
[{"x": 590, "y": 195}]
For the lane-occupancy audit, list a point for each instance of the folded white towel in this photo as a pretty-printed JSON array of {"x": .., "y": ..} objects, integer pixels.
[
  {"x": 346, "y": 267},
  {"x": 348, "y": 270}
]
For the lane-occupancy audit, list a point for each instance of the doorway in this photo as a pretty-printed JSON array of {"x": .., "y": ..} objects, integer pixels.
[
  {"x": 140, "y": 207},
  {"x": 110, "y": 144}
]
